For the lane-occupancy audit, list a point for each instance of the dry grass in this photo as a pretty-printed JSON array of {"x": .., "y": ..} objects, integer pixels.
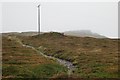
[
  {"x": 93, "y": 57},
  {"x": 21, "y": 62}
]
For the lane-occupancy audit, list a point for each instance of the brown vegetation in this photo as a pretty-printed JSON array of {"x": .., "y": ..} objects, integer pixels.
[{"x": 93, "y": 58}]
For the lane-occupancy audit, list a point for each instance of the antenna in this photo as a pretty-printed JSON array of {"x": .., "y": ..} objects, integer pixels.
[{"x": 38, "y": 19}]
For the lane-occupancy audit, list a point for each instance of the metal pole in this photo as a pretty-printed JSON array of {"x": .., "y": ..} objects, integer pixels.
[{"x": 38, "y": 19}]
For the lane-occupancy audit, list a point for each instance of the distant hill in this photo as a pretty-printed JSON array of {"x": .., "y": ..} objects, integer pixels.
[
  {"x": 84, "y": 33},
  {"x": 77, "y": 33},
  {"x": 28, "y": 33},
  {"x": 21, "y": 33}
]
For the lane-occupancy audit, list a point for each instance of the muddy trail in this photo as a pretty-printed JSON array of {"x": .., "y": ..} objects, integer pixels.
[{"x": 65, "y": 63}]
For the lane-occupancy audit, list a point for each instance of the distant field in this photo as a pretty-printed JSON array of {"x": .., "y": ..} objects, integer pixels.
[{"x": 93, "y": 58}]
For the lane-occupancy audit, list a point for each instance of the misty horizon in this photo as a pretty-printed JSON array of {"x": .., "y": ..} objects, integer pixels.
[
  {"x": 99, "y": 17},
  {"x": 79, "y": 32}
]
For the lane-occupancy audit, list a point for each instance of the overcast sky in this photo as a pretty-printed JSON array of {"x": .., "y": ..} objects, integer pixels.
[{"x": 99, "y": 17}]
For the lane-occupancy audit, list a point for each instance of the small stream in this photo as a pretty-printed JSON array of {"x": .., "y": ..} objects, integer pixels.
[{"x": 67, "y": 64}]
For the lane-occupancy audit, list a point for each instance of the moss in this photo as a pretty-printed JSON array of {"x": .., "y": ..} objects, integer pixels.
[{"x": 48, "y": 70}]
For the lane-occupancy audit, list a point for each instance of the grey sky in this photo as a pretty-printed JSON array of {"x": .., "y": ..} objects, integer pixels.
[{"x": 101, "y": 17}]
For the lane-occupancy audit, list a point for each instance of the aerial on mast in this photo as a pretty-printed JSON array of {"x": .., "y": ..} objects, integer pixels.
[{"x": 38, "y": 19}]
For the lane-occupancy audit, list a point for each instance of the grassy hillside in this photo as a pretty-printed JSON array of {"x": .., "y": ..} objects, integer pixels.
[
  {"x": 22, "y": 62},
  {"x": 93, "y": 58}
]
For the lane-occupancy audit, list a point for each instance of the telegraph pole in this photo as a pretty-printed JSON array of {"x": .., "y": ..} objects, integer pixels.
[{"x": 38, "y": 19}]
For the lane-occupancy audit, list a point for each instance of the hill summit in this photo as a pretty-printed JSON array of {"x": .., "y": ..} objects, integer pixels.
[{"x": 51, "y": 34}]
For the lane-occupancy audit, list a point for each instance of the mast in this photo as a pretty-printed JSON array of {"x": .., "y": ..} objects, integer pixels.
[{"x": 39, "y": 19}]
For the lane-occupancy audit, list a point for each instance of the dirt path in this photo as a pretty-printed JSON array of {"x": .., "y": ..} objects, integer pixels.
[{"x": 67, "y": 64}]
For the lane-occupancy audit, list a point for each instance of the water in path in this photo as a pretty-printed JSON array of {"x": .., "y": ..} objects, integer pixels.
[{"x": 67, "y": 64}]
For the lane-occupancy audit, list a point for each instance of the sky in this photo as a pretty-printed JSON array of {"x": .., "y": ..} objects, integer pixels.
[{"x": 99, "y": 17}]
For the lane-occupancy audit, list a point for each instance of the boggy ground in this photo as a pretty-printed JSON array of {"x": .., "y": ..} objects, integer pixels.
[
  {"x": 93, "y": 58},
  {"x": 22, "y": 62}
]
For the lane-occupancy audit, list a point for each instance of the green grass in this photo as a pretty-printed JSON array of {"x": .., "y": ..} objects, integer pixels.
[
  {"x": 48, "y": 70},
  {"x": 28, "y": 71}
]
